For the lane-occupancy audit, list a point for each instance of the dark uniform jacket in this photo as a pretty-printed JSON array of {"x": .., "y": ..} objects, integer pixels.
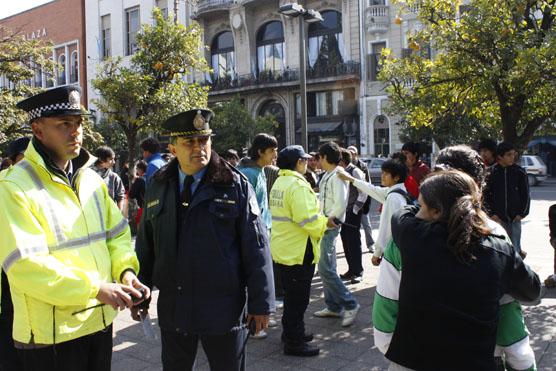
[
  {"x": 507, "y": 192},
  {"x": 448, "y": 310},
  {"x": 206, "y": 261}
]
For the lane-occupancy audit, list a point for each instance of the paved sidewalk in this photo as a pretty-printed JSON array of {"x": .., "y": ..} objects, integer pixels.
[{"x": 353, "y": 348}]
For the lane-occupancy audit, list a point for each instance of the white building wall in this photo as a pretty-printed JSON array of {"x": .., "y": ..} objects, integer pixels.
[{"x": 96, "y": 9}]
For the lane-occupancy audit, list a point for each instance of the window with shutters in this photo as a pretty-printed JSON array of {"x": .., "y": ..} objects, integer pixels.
[
  {"x": 374, "y": 60},
  {"x": 105, "y": 36},
  {"x": 132, "y": 28}
]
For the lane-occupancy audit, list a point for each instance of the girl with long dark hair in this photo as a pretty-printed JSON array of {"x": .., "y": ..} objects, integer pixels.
[{"x": 454, "y": 273}]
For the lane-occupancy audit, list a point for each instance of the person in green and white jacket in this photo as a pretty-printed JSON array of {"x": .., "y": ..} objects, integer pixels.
[{"x": 512, "y": 336}]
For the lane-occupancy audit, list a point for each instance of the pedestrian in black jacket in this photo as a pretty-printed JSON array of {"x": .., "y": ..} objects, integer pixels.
[
  {"x": 551, "y": 280},
  {"x": 454, "y": 274},
  {"x": 203, "y": 244},
  {"x": 506, "y": 196}
]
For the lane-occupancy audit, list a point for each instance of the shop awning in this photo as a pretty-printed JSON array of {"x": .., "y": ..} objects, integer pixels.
[{"x": 322, "y": 127}]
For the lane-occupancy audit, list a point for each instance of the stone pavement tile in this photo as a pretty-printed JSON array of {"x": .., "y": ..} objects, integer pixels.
[
  {"x": 362, "y": 366},
  {"x": 324, "y": 361},
  {"x": 548, "y": 360},
  {"x": 269, "y": 365},
  {"x": 373, "y": 358},
  {"x": 129, "y": 364},
  {"x": 130, "y": 348}
]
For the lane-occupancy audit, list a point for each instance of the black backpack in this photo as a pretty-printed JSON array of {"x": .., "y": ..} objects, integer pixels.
[{"x": 408, "y": 199}]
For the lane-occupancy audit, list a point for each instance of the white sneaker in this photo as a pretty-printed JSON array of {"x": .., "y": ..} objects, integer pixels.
[
  {"x": 349, "y": 316},
  {"x": 272, "y": 323},
  {"x": 260, "y": 335},
  {"x": 327, "y": 313}
]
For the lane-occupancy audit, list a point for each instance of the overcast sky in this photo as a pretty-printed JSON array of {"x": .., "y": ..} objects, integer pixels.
[{"x": 9, "y": 7}]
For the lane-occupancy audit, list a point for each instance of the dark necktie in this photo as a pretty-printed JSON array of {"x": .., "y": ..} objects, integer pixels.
[{"x": 186, "y": 193}]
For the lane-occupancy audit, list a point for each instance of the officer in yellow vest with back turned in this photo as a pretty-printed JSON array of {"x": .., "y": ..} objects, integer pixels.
[
  {"x": 63, "y": 242},
  {"x": 297, "y": 228}
]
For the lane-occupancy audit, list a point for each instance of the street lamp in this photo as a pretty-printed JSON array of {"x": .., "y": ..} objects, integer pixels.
[{"x": 309, "y": 16}]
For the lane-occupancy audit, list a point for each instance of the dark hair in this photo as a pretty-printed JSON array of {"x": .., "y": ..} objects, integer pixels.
[
  {"x": 230, "y": 154},
  {"x": 398, "y": 156},
  {"x": 332, "y": 152},
  {"x": 413, "y": 148},
  {"x": 261, "y": 142},
  {"x": 150, "y": 145},
  {"x": 503, "y": 148},
  {"x": 395, "y": 168},
  {"x": 346, "y": 156},
  {"x": 283, "y": 162},
  {"x": 103, "y": 153},
  {"x": 465, "y": 159},
  {"x": 457, "y": 198},
  {"x": 487, "y": 143},
  {"x": 141, "y": 165}
]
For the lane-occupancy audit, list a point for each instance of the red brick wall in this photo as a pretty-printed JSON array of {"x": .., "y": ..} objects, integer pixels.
[{"x": 63, "y": 21}]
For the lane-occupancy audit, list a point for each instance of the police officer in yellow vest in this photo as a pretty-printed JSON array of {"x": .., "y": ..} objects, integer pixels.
[
  {"x": 63, "y": 244},
  {"x": 297, "y": 227}
]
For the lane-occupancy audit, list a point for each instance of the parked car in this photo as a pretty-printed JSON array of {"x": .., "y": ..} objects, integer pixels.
[
  {"x": 374, "y": 164},
  {"x": 535, "y": 168}
]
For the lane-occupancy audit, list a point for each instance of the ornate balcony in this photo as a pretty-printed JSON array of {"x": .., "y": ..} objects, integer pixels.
[
  {"x": 205, "y": 7},
  {"x": 289, "y": 77},
  {"x": 377, "y": 18}
]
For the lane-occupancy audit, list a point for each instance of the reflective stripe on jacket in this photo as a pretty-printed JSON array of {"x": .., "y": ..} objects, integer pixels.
[
  {"x": 57, "y": 245},
  {"x": 295, "y": 217}
]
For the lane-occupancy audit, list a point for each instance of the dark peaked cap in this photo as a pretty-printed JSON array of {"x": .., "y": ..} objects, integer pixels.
[
  {"x": 62, "y": 101},
  {"x": 192, "y": 123}
]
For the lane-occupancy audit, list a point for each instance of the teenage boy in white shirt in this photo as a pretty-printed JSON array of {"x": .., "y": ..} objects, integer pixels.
[{"x": 333, "y": 201}]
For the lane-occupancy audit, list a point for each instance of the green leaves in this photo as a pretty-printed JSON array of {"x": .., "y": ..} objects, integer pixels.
[
  {"x": 495, "y": 64},
  {"x": 20, "y": 59},
  {"x": 235, "y": 127},
  {"x": 139, "y": 98}
]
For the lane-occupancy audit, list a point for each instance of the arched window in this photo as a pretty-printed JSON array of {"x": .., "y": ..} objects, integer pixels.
[
  {"x": 326, "y": 42},
  {"x": 275, "y": 109},
  {"x": 74, "y": 67},
  {"x": 62, "y": 69},
  {"x": 222, "y": 55},
  {"x": 381, "y": 135},
  {"x": 270, "y": 47}
]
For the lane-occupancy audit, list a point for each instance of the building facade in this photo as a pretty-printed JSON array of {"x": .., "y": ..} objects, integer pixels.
[
  {"x": 61, "y": 22},
  {"x": 254, "y": 53},
  {"x": 112, "y": 28},
  {"x": 385, "y": 26}
]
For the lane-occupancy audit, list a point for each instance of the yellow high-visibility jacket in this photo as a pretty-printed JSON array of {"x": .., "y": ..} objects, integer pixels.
[
  {"x": 295, "y": 217},
  {"x": 57, "y": 244}
]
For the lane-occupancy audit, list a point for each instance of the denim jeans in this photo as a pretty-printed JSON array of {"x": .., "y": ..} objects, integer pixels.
[
  {"x": 514, "y": 232},
  {"x": 366, "y": 223},
  {"x": 336, "y": 295}
]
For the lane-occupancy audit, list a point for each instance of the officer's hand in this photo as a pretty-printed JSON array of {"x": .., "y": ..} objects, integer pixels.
[
  {"x": 130, "y": 279},
  {"x": 260, "y": 319},
  {"x": 376, "y": 260},
  {"x": 116, "y": 296}
]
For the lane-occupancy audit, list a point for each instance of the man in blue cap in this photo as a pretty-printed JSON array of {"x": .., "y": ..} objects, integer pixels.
[
  {"x": 203, "y": 243},
  {"x": 63, "y": 244}
]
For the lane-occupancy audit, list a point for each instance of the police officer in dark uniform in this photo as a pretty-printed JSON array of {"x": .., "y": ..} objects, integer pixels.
[{"x": 203, "y": 244}]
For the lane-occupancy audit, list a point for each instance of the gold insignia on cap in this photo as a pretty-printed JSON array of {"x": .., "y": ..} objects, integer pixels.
[
  {"x": 74, "y": 98},
  {"x": 199, "y": 121}
]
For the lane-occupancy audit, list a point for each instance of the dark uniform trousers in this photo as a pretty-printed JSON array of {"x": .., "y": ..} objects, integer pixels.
[
  {"x": 88, "y": 353},
  {"x": 351, "y": 240},
  {"x": 224, "y": 352},
  {"x": 9, "y": 360},
  {"x": 296, "y": 280}
]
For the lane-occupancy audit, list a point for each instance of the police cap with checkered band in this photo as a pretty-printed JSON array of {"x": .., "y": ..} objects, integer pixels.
[
  {"x": 62, "y": 101},
  {"x": 192, "y": 123}
]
